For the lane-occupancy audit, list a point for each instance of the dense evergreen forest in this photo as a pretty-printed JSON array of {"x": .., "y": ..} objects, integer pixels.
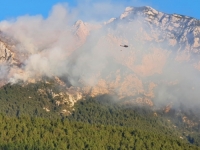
[
  {"x": 27, "y": 132},
  {"x": 102, "y": 111},
  {"x": 95, "y": 123}
]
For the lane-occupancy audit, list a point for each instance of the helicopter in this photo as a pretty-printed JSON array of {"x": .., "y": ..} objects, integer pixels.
[{"x": 124, "y": 45}]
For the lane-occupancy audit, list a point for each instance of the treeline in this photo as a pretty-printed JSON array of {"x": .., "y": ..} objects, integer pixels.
[{"x": 27, "y": 132}]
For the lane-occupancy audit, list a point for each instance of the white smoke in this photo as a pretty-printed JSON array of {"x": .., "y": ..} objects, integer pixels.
[
  {"x": 4, "y": 69},
  {"x": 46, "y": 42}
]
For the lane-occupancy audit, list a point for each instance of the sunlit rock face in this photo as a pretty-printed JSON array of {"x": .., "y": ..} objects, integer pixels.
[
  {"x": 157, "y": 67},
  {"x": 6, "y": 54}
]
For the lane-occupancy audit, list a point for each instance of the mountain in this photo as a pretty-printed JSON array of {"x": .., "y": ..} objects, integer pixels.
[
  {"x": 177, "y": 30},
  {"x": 94, "y": 61}
]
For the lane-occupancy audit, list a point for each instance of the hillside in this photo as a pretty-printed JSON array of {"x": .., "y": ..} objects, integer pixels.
[{"x": 19, "y": 102}]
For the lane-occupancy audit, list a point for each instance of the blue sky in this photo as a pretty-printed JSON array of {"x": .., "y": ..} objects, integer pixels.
[{"x": 10, "y": 9}]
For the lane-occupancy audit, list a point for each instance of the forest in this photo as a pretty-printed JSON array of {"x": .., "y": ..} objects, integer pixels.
[
  {"x": 27, "y": 132},
  {"x": 94, "y": 123}
]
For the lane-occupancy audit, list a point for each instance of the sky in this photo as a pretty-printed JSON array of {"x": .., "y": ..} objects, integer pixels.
[{"x": 98, "y": 9}]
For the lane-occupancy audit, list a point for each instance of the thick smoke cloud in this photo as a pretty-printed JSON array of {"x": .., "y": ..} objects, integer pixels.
[
  {"x": 45, "y": 42},
  {"x": 91, "y": 57},
  {"x": 48, "y": 43}
]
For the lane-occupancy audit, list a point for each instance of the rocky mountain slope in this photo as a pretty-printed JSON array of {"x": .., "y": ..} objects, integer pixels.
[
  {"x": 159, "y": 44},
  {"x": 178, "y": 30}
]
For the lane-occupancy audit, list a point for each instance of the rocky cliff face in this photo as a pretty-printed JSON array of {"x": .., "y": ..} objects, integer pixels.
[{"x": 5, "y": 53}]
